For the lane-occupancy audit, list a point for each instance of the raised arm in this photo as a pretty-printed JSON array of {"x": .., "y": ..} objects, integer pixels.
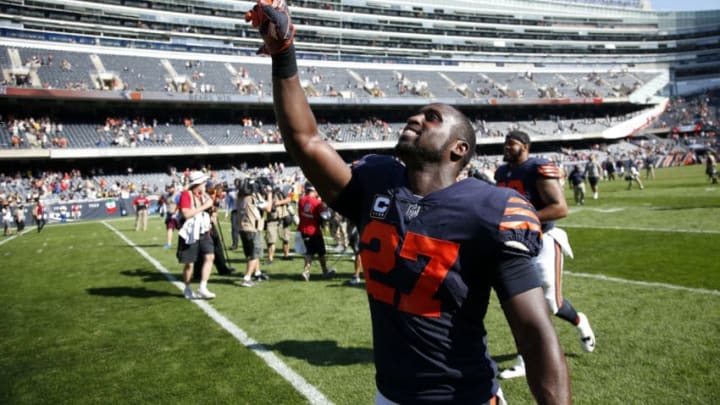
[
  {"x": 320, "y": 162},
  {"x": 547, "y": 373}
]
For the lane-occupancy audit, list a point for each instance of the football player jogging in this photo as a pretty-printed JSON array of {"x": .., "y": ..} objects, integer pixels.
[
  {"x": 432, "y": 248},
  {"x": 537, "y": 179}
]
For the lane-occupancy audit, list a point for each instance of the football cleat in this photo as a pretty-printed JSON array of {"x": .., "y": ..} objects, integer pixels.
[
  {"x": 587, "y": 337},
  {"x": 517, "y": 370}
]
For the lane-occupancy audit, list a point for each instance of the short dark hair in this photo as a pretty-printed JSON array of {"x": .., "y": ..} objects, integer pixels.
[
  {"x": 519, "y": 136},
  {"x": 466, "y": 132}
]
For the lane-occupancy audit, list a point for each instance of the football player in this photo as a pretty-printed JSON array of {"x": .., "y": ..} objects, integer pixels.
[
  {"x": 538, "y": 180},
  {"x": 432, "y": 248}
]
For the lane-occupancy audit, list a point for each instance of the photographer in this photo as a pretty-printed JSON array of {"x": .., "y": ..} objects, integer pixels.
[
  {"x": 194, "y": 236},
  {"x": 251, "y": 207},
  {"x": 217, "y": 193},
  {"x": 278, "y": 223},
  {"x": 170, "y": 200},
  {"x": 313, "y": 212}
]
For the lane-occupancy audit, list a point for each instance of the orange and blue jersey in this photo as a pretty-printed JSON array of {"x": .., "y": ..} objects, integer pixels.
[
  {"x": 430, "y": 264},
  {"x": 524, "y": 179}
]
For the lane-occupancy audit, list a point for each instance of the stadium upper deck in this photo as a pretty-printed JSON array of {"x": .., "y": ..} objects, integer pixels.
[
  {"x": 511, "y": 52},
  {"x": 418, "y": 31}
]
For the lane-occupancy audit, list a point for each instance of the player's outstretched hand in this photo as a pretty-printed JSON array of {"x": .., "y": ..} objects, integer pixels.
[{"x": 273, "y": 21}]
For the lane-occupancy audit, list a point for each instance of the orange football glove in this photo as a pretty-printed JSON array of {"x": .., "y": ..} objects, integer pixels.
[{"x": 273, "y": 21}]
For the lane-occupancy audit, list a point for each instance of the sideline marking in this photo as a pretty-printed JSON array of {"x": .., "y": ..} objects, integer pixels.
[
  {"x": 11, "y": 237},
  {"x": 297, "y": 381},
  {"x": 643, "y": 283},
  {"x": 632, "y": 228},
  {"x": 574, "y": 210}
]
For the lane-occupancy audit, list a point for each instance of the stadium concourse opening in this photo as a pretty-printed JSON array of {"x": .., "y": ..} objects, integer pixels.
[{"x": 90, "y": 125}]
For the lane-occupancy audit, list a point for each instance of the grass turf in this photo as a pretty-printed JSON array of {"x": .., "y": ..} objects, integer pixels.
[{"x": 87, "y": 319}]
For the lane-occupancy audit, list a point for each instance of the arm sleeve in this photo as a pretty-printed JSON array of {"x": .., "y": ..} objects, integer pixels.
[
  {"x": 549, "y": 170},
  {"x": 520, "y": 239},
  {"x": 184, "y": 201},
  {"x": 515, "y": 275},
  {"x": 520, "y": 231}
]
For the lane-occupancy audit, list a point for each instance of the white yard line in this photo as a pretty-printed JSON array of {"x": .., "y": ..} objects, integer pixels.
[
  {"x": 297, "y": 381},
  {"x": 9, "y": 238},
  {"x": 643, "y": 283},
  {"x": 643, "y": 229}
]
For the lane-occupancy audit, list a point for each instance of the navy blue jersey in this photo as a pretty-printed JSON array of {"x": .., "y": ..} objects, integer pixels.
[
  {"x": 430, "y": 264},
  {"x": 524, "y": 179}
]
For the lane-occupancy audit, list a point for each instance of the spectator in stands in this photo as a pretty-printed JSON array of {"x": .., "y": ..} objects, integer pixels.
[
  {"x": 593, "y": 171},
  {"x": 141, "y": 205},
  {"x": 194, "y": 235},
  {"x": 312, "y": 213}
]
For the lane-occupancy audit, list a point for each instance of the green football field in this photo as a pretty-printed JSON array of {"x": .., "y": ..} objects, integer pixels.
[{"x": 93, "y": 313}]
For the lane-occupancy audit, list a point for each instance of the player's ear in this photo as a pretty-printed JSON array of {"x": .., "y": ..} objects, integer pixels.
[{"x": 461, "y": 148}]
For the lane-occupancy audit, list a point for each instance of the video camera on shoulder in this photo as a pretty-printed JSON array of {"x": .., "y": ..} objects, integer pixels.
[{"x": 250, "y": 185}]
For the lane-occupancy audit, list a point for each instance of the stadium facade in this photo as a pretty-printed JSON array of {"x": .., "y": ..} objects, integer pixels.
[{"x": 606, "y": 67}]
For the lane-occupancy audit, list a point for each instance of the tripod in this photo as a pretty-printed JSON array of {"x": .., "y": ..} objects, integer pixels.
[{"x": 222, "y": 241}]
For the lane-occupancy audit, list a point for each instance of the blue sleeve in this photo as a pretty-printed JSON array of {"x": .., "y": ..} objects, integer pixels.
[
  {"x": 372, "y": 173},
  {"x": 514, "y": 276}
]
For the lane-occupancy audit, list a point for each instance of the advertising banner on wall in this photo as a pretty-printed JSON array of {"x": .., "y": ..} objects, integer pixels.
[{"x": 65, "y": 212}]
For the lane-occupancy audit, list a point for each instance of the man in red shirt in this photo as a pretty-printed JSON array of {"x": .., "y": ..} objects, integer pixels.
[
  {"x": 141, "y": 204},
  {"x": 311, "y": 211},
  {"x": 39, "y": 215}
]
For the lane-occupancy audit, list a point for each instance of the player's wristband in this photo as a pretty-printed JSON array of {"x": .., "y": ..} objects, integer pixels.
[{"x": 284, "y": 64}]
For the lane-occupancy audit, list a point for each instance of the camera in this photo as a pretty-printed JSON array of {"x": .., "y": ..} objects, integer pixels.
[{"x": 249, "y": 185}]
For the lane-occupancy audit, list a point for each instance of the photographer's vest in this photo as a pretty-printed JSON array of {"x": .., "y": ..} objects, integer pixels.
[
  {"x": 278, "y": 212},
  {"x": 250, "y": 217}
]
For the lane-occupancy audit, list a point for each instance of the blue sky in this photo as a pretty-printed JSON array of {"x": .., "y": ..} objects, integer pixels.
[{"x": 685, "y": 5}]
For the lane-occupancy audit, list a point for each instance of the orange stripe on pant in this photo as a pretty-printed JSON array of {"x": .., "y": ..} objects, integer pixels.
[{"x": 558, "y": 274}]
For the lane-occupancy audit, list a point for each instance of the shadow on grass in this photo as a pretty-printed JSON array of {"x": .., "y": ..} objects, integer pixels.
[
  {"x": 685, "y": 208},
  {"x": 134, "y": 292},
  {"x": 321, "y": 353},
  {"x": 146, "y": 275},
  {"x": 512, "y": 356}
]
